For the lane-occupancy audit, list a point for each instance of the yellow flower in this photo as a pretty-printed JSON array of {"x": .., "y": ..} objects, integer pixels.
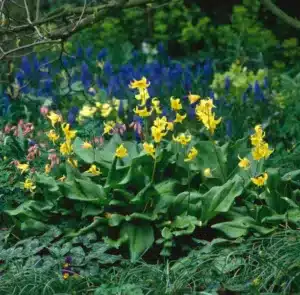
[
  {"x": 116, "y": 103},
  {"x": 87, "y": 111},
  {"x": 193, "y": 98},
  {"x": 28, "y": 185},
  {"x": 139, "y": 84},
  {"x": 143, "y": 112},
  {"x": 170, "y": 126},
  {"x": 258, "y": 137},
  {"x": 261, "y": 150},
  {"x": 207, "y": 172},
  {"x": 149, "y": 149},
  {"x": 62, "y": 179},
  {"x": 94, "y": 170},
  {"x": 69, "y": 134},
  {"x": 244, "y": 163},
  {"x": 108, "y": 127},
  {"x": 54, "y": 118},
  {"x": 142, "y": 96},
  {"x": 160, "y": 123},
  {"x": 156, "y": 105},
  {"x": 66, "y": 275},
  {"x": 179, "y": 118},
  {"x": 106, "y": 110},
  {"x": 205, "y": 114},
  {"x": 121, "y": 152},
  {"x": 52, "y": 135},
  {"x": 86, "y": 145},
  {"x": 183, "y": 139},
  {"x": 157, "y": 133},
  {"x": 23, "y": 167},
  {"x": 66, "y": 148},
  {"x": 191, "y": 155},
  {"x": 47, "y": 168},
  {"x": 72, "y": 162},
  {"x": 175, "y": 104},
  {"x": 260, "y": 180},
  {"x": 98, "y": 105}
]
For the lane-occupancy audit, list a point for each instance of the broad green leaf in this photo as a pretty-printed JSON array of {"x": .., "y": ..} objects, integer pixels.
[
  {"x": 47, "y": 181},
  {"x": 220, "y": 198},
  {"x": 240, "y": 227},
  {"x": 140, "y": 237},
  {"x": 290, "y": 175},
  {"x": 87, "y": 155}
]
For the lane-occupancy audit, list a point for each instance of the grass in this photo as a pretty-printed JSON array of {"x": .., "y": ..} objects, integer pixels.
[{"x": 269, "y": 265}]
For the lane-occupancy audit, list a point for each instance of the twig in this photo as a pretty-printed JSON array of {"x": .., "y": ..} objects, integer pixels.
[
  {"x": 29, "y": 20},
  {"x": 37, "y": 9},
  {"x": 281, "y": 14},
  {"x": 4, "y": 54},
  {"x": 81, "y": 15}
]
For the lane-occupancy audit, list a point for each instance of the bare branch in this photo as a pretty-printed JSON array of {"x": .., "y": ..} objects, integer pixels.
[
  {"x": 77, "y": 19},
  {"x": 29, "y": 20},
  {"x": 37, "y": 10},
  {"x": 7, "y": 53},
  {"x": 80, "y": 18},
  {"x": 281, "y": 14}
]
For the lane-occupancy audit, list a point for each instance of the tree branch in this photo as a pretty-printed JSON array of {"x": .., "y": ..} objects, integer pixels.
[
  {"x": 281, "y": 14},
  {"x": 7, "y": 53}
]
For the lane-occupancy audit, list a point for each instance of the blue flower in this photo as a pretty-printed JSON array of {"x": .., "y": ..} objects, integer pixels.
[
  {"x": 86, "y": 76},
  {"x": 102, "y": 54},
  {"x": 79, "y": 52},
  {"x": 207, "y": 69},
  {"x": 89, "y": 52},
  {"x": 227, "y": 84},
  {"x": 20, "y": 78},
  {"x": 160, "y": 48},
  {"x": 25, "y": 66},
  {"x": 258, "y": 93},
  {"x": 72, "y": 114},
  {"x": 191, "y": 112},
  {"x": 107, "y": 69},
  {"x": 48, "y": 87}
]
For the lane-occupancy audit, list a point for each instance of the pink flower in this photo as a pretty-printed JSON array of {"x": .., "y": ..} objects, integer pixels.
[
  {"x": 44, "y": 110},
  {"x": 33, "y": 152},
  {"x": 54, "y": 160},
  {"x": 7, "y": 128},
  {"x": 15, "y": 162},
  {"x": 99, "y": 140}
]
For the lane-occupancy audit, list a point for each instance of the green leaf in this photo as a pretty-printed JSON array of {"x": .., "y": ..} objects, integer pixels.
[
  {"x": 166, "y": 233},
  {"x": 141, "y": 238},
  {"x": 290, "y": 175},
  {"x": 87, "y": 155},
  {"x": 87, "y": 191},
  {"x": 220, "y": 198},
  {"x": 47, "y": 181},
  {"x": 240, "y": 227},
  {"x": 211, "y": 156}
]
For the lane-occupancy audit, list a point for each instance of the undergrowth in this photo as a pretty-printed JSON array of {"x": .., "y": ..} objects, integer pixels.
[{"x": 265, "y": 265}]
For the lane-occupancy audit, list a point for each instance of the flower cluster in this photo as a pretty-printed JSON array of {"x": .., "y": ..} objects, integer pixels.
[
  {"x": 67, "y": 270},
  {"x": 260, "y": 147},
  {"x": 25, "y": 128},
  {"x": 206, "y": 116}
]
